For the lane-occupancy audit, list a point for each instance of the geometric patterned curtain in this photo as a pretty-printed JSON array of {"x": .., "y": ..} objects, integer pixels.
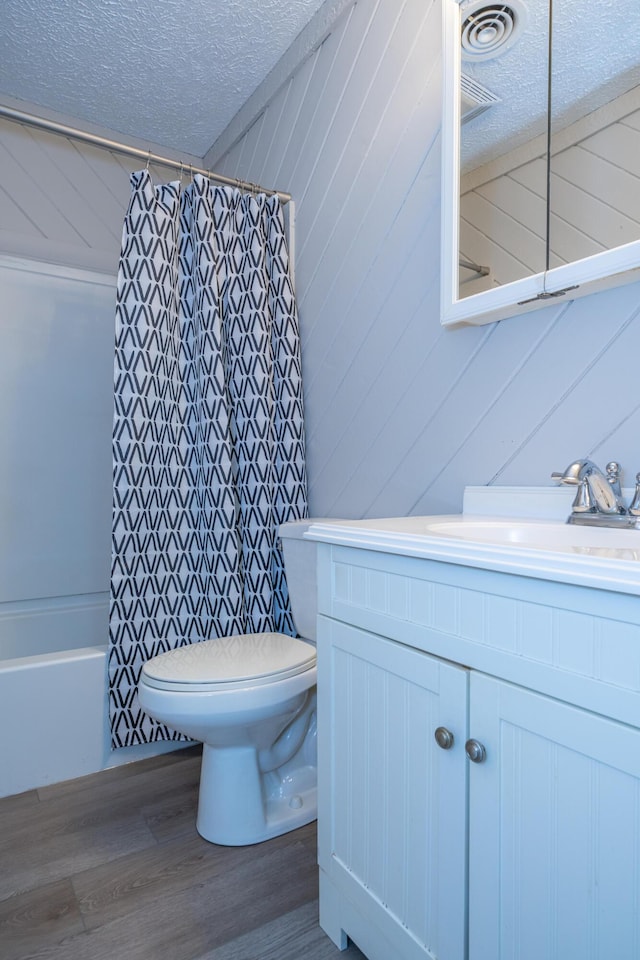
[{"x": 208, "y": 441}]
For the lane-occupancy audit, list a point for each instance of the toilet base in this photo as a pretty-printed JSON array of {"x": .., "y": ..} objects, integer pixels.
[{"x": 238, "y": 805}]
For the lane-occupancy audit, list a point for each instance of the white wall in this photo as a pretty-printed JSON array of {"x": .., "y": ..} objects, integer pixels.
[
  {"x": 63, "y": 201},
  {"x": 62, "y": 206},
  {"x": 56, "y": 376},
  {"x": 400, "y": 414},
  {"x": 56, "y": 371},
  {"x": 61, "y": 212}
]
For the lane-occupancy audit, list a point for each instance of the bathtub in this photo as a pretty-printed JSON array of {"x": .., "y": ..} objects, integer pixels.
[{"x": 54, "y": 704}]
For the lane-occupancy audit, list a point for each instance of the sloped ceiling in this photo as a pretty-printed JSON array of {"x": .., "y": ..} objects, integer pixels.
[{"x": 173, "y": 72}]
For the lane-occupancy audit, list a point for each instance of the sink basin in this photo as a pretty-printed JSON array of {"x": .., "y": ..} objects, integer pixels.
[{"x": 543, "y": 535}]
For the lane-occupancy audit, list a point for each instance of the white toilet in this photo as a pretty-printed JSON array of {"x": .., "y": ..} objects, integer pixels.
[{"x": 251, "y": 700}]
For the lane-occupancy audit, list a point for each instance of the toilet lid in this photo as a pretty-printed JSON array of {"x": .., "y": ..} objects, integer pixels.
[{"x": 248, "y": 657}]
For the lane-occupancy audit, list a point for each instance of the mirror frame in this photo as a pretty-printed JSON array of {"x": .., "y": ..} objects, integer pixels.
[{"x": 609, "y": 268}]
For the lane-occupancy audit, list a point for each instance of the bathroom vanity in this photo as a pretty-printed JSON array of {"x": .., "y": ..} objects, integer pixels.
[{"x": 479, "y": 736}]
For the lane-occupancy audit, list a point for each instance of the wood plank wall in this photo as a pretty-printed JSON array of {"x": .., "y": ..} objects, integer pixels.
[
  {"x": 400, "y": 414},
  {"x": 64, "y": 201}
]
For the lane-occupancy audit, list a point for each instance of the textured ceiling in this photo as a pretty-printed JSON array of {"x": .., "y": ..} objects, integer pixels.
[{"x": 174, "y": 72}]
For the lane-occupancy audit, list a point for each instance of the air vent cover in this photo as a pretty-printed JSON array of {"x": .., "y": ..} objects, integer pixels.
[
  {"x": 489, "y": 29},
  {"x": 474, "y": 98}
]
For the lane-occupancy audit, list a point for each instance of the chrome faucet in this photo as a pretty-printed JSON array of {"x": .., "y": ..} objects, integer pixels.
[{"x": 598, "y": 500}]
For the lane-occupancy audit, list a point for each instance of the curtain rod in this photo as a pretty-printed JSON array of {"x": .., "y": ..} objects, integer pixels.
[{"x": 76, "y": 134}]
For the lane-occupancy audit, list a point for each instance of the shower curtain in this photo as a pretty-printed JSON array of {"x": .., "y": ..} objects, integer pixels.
[{"x": 208, "y": 442}]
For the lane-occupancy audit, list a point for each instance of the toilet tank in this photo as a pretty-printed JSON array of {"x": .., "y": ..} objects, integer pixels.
[{"x": 300, "y": 568}]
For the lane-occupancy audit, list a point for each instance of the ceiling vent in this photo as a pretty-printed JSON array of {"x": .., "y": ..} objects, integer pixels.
[
  {"x": 490, "y": 29},
  {"x": 474, "y": 98}
]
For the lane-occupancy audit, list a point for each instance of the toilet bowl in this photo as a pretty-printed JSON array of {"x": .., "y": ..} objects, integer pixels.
[{"x": 251, "y": 701}]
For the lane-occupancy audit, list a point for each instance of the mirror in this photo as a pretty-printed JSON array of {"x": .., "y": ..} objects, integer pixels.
[
  {"x": 595, "y": 129},
  {"x": 541, "y": 153},
  {"x": 503, "y": 200}
]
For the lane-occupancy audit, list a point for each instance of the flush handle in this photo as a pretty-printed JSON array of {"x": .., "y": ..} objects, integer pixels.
[
  {"x": 444, "y": 738},
  {"x": 475, "y": 751}
]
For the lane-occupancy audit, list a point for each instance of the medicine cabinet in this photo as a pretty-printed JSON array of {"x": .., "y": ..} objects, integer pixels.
[{"x": 541, "y": 154}]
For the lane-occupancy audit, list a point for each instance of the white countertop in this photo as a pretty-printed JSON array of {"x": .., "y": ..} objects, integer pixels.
[{"x": 534, "y": 541}]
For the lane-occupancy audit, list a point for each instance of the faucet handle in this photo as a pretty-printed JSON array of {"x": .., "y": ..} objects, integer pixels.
[
  {"x": 583, "y": 502},
  {"x": 634, "y": 506},
  {"x": 564, "y": 478},
  {"x": 613, "y": 476}
]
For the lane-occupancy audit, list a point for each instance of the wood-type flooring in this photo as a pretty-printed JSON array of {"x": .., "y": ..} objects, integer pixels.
[{"x": 110, "y": 867}]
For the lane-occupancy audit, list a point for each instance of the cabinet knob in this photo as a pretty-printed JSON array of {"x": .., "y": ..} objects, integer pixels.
[
  {"x": 475, "y": 751},
  {"x": 444, "y": 738}
]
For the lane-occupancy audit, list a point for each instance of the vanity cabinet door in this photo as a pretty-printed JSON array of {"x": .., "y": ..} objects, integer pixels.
[
  {"x": 554, "y": 831},
  {"x": 392, "y": 803}
]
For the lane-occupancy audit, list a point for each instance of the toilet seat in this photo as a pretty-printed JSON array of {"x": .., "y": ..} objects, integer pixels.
[{"x": 228, "y": 663}]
